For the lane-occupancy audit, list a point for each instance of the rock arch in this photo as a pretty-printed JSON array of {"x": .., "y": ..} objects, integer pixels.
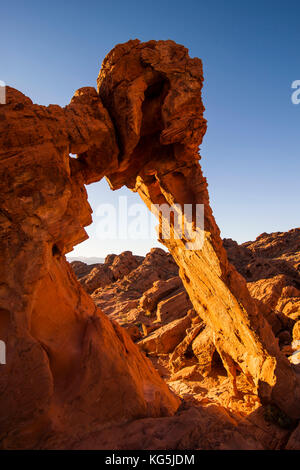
[
  {"x": 66, "y": 362},
  {"x": 160, "y": 161}
]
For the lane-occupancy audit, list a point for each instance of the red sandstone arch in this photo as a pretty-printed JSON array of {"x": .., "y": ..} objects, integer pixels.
[{"x": 143, "y": 128}]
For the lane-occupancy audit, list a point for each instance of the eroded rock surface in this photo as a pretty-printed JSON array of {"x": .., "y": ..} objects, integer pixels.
[
  {"x": 99, "y": 275},
  {"x": 66, "y": 361},
  {"x": 271, "y": 266},
  {"x": 153, "y": 94},
  {"x": 125, "y": 296},
  {"x": 70, "y": 370}
]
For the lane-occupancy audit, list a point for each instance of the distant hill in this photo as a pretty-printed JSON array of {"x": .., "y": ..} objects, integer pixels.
[{"x": 91, "y": 260}]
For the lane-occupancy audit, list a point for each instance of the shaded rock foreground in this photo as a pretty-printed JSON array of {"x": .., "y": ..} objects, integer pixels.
[{"x": 70, "y": 370}]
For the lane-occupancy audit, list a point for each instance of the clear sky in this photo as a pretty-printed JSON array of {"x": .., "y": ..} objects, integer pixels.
[{"x": 251, "y": 55}]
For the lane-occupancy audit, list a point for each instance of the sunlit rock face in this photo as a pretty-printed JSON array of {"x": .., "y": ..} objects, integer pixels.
[
  {"x": 271, "y": 266},
  {"x": 152, "y": 92},
  {"x": 71, "y": 371}
]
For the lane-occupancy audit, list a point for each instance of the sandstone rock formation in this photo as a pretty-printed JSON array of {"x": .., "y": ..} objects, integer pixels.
[
  {"x": 187, "y": 357},
  {"x": 100, "y": 275},
  {"x": 152, "y": 92},
  {"x": 70, "y": 370},
  {"x": 167, "y": 337},
  {"x": 66, "y": 362},
  {"x": 161, "y": 314},
  {"x": 126, "y": 295},
  {"x": 208, "y": 427},
  {"x": 271, "y": 266}
]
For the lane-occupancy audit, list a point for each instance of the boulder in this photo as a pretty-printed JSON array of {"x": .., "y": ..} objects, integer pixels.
[
  {"x": 166, "y": 338},
  {"x": 175, "y": 305},
  {"x": 158, "y": 291},
  {"x": 203, "y": 347}
]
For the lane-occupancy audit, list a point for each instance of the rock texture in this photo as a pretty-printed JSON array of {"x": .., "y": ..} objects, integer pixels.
[
  {"x": 152, "y": 91},
  {"x": 271, "y": 266},
  {"x": 99, "y": 275},
  {"x": 69, "y": 369},
  {"x": 184, "y": 353},
  {"x": 208, "y": 427},
  {"x": 126, "y": 295},
  {"x": 71, "y": 372}
]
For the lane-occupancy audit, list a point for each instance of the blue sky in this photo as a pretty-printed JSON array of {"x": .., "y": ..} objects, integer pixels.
[{"x": 251, "y": 55}]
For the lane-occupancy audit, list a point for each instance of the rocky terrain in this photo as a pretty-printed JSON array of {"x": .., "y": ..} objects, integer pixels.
[
  {"x": 148, "y": 292},
  {"x": 151, "y": 303},
  {"x": 271, "y": 266},
  {"x": 199, "y": 365}
]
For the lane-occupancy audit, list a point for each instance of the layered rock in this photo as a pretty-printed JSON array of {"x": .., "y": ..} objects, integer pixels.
[
  {"x": 167, "y": 337},
  {"x": 70, "y": 370},
  {"x": 125, "y": 295},
  {"x": 153, "y": 94},
  {"x": 66, "y": 361},
  {"x": 147, "y": 298},
  {"x": 99, "y": 275},
  {"x": 271, "y": 266},
  {"x": 185, "y": 354}
]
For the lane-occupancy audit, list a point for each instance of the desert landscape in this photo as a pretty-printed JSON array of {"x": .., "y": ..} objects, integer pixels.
[{"x": 179, "y": 349}]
